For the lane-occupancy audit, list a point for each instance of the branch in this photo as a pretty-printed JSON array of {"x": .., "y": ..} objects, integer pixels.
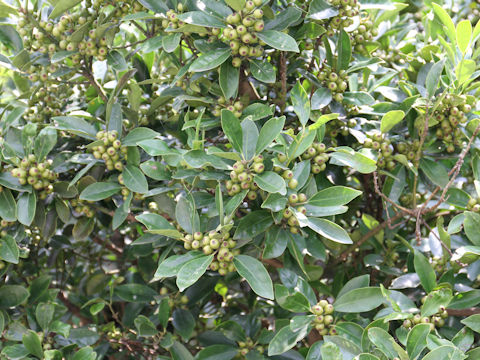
[
  {"x": 343, "y": 256},
  {"x": 72, "y": 308},
  {"x": 87, "y": 73}
]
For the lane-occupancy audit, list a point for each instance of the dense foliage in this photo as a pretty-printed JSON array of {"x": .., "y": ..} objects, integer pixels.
[{"x": 239, "y": 179}]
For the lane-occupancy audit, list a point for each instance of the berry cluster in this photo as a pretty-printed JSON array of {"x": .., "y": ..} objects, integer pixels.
[
  {"x": 384, "y": 147},
  {"x": 318, "y": 157},
  {"x": 449, "y": 115},
  {"x": 241, "y": 32},
  {"x": 438, "y": 263},
  {"x": 242, "y": 177},
  {"x": 436, "y": 321},
  {"x": 37, "y": 174},
  {"x": 408, "y": 149},
  {"x": 235, "y": 107},
  {"x": 473, "y": 205},
  {"x": 363, "y": 34},
  {"x": 338, "y": 127},
  {"x": 79, "y": 31},
  {"x": 215, "y": 242},
  {"x": 247, "y": 345},
  {"x": 347, "y": 9},
  {"x": 47, "y": 102},
  {"x": 110, "y": 149},
  {"x": 125, "y": 191},
  {"x": 172, "y": 21},
  {"x": 324, "y": 320},
  {"x": 407, "y": 199},
  {"x": 297, "y": 201},
  {"x": 82, "y": 207},
  {"x": 286, "y": 174},
  {"x": 336, "y": 82}
]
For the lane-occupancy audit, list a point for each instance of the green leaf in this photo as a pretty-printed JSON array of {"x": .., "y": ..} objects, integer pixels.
[
  {"x": 99, "y": 191},
  {"x": 330, "y": 351},
  {"x": 235, "y": 202},
  {"x": 435, "y": 172},
  {"x": 296, "y": 302},
  {"x": 417, "y": 339},
  {"x": 435, "y": 300},
  {"x": 433, "y": 77},
  {"x": 253, "y": 224},
  {"x": 32, "y": 343},
  {"x": 284, "y": 19},
  {"x": 356, "y": 160},
  {"x": 359, "y": 300},
  {"x": 263, "y": 71},
  {"x": 170, "y": 266},
  {"x": 171, "y": 41},
  {"x": 465, "y": 300},
  {"x": 256, "y": 275},
  {"x": 271, "y": 182},
  {"x": 330, "y": 230},
  {"x": 321, "y": 98},
  {"x": 278, "y": 40},
  {"x": 237, "y": 5},
  {"x": 228, "y": 80},
  {"x": 465, "y": 70},
  {"x": 179, "y": 352},
  {"x": 76, "y": 125},
  {"x": 464, "y": 35},
  {"x": 183, "y": 322},
  {"x": 201, "y": 18},
  {"x": 138, "y": 134},
  {"x": 155, "y": 5},
  {"x": 135, "y": 293},
  {"x": 334, "y": 196},
  {"x": 320, "y": 10},
  {"x": 358, "y": 98},
  {"x": 85, "y": 353},
  {"x": 26, "y": 207},
  {"x": 210, "y": 60},
  {"x": 157, "y": 224},
  {"x": 301, "y": 103},
  {"x": 217, "y": 352},
  {"x": 473, "y": 322},
  {"x": 62, "y": 6},
  {"x": 83, "y": 228},
  {"x": 425, "y": 271},
  {"x": 390, "y": 119},
  {"x": 45, "y": 142},
  {"x": 446, "y": 352},
  {"x": 144, "y": 326},
  {"x": 344, "y": 49},
  {"x": 155, "y": 170},
  {"x": 8, "y": 207},
  {"x": 285, "y": 339},
  {"x": 232, "y": 129},
  {"x": 269, "y": 131},
  {"x": 135, "y": 180},
  {"x": 355, "y": 283},
  {"x": 383, "y": 340},
  {"x": 44, "y": 314},
  {"x": 446, "y": 20},
  {"x": 9, "y": 249},
  {"x": 192, "y": 271},
  {"x": 250, "y": 138}
]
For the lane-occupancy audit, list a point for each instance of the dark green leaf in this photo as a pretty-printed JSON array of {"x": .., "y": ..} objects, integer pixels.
[
  {"x": 330, "y": 230},
  {"x": 99, "y": 191},
  {"x": 256, "y": 275},
  {"x": 278, "y": 40},
  {"x": 425, "y": 271},
  {"x": 135, "y": 180},
  {"x": 191, "y": 271},
  {"x": 228, "y": 79},
  {"x": 210, "y": 60},
  {"x": 359, "y": 300},
  {"x": 263, "y": 71}
]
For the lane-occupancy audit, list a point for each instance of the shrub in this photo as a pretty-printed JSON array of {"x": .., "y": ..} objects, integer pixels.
[{"x": 239, "y": 179}]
